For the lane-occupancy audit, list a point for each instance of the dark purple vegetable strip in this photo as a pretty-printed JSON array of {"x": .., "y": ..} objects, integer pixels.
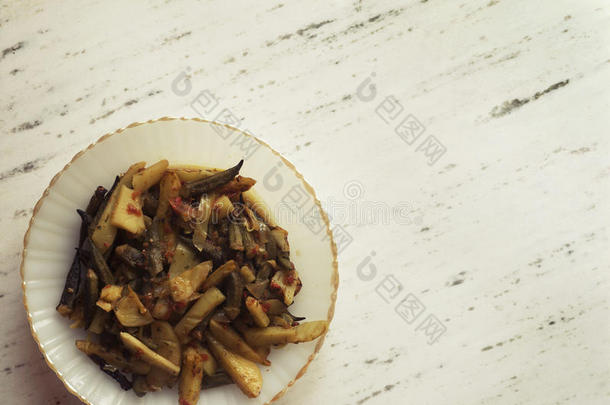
[
  {"x": 209, "y": 250},
  {"x": 92, "y": 294},
  {"x": 154, "y": 250},
  {"x": 87, "y": 216},
  {"x": 113, "y": 372},
  {"x": 71, "y": 288},
  {"x": 234, "y": 287},
  {"x": 99, "y": 263},
  {"x": 86, "y": 220},
  {"x": 209, "y": 183},
  {"x": 131, "y": 256},
  {"x": 105, "y": 200},
  {"x": 96, "y": 200}
]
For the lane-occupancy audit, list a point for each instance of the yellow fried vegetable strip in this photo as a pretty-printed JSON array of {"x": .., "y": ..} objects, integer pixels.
[
  {"x": 104, "y": 232},
  {"x": 141, "y": 351},
  {"x": 113, "y": 357},
  {"x": 232, "y": 341},
  {"x": 150, "y": 176},
  {"x": 219, "y": 274},
  {"x": 165, "y": 338},
  {"x": 244, "y": 372},
  {"x": 169, "y": 188},
  {"x": 202, "y": 308},
  {"x": 256, "y": 310},
  {"x": 190, "y": 378}
]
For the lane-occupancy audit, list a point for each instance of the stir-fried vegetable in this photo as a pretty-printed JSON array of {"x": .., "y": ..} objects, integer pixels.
[{"x": 178, "y": 281}]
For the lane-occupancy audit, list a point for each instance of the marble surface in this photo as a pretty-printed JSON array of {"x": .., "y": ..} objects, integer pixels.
[{"x": 458, "y": 145}]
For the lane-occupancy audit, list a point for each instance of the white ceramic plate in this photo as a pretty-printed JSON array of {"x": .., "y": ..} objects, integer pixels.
[{"x": 53, "y": 232}]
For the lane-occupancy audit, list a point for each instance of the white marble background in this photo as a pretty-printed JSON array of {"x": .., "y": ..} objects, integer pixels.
[{"x": 507, "y": 240}]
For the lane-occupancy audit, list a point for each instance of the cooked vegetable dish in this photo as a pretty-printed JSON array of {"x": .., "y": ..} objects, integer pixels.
[{"x": 181, "y": 276}]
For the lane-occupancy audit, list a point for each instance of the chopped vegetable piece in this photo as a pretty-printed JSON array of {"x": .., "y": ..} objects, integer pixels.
[
  {"x": 232, "y": 341},
  {"x": 92, "y": 294},
  {"x": 234, "y": 287},
  {"x": 209, "y": 183},
  {"x": 150, "y": 176},
  {"x": 113, "y": 357},
  {"x": 165, "y": 338},
  {"x": 202, "y": 307},
  {"x": 104, "y": 232},
  {"x": 154, "y": 250},
  {"x": 285, "y": 282},
  {"x": 131, "y": 256},
  {"x": 191, "y": 172},
  {"x": 309, "y": 331},
  {"x": 247, "y": 274},
  {"x": 169, "y": 189},
  {"x": 209, "y": 363},
  {"x": 244, "y": 372},
  {"x": 184, "y": 258},
  {"x": 219, "y": 274},
  {"x": 109, "y": 295},
  {"x": 127, "y": 212},
  {"x": 271, "y": 335},
  {"x": 217, "y": 380},
  {"x": 258, "y": 314},
  {"x": 142, "y": 352},
  {"x": 130, "y": 312},
  {"x": 190, "y": 378},
  {"x": 113, "y": 372}
]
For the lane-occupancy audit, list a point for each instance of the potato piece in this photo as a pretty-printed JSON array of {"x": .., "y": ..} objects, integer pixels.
[
  {"x": 130, "y": 311},
  {"x": 150, "y": 176},
  {"x": 142, "y": 352},
  {"x": 169, "y": 189},
  {"x": 127, "y": 212},
  {"x": 263, "y": 353},
  {"x": 247, "y": 274},
  {"x": 221, "y": 208},
  {"x": 232, "y": 341},
  {"x": 256, "y": 203},
  {"x": 109, "y": 295},
  {"x": 104, "y": 232},
  {"x": 165, "y": 338},
  {"x": 244, "y": 372},
  {"x": 256, "y": 310},
  {"x": 191, "y": 172},
  {"x": 183, "y": 286},
  {"x": 162, "y": 309},
  {"x": 273, "y": 306},
  {"x": 280, "y": 236},
  {"x": 272, "y": 335},
  {"x": 219, "y": 274},
  {"x": 309, "y": 331},
  {"x": 202, "y": 308},
  {"x": 180, "y": 288},
  {"x": 190, "y": 378},
  {"x": 286, "y": 282},
  {"x": 113, "y": 357},
  {"x": 209, "y": 362},
  {"x": 184, "y": 259}
]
